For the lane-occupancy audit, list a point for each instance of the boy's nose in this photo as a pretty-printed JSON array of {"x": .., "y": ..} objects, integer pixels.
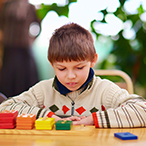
[{"x": 71, "y": 74}]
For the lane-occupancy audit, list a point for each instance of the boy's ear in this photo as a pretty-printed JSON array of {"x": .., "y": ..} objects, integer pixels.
[{"x": 93, "y": 62}]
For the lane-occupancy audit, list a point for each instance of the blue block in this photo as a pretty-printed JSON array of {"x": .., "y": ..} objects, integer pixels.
[{"x": 125, "y": 136}]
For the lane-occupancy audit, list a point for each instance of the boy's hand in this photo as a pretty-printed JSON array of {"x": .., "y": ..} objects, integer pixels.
[
  {"x": 74, "y": 118},
  {"x": 86, "y": 121},
  {"x": 56, "y": 118}
]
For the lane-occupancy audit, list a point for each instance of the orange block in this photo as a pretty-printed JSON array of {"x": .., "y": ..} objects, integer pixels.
[
  {"x": 25, "y": 127},
  {"x": 25, "y": 121}
]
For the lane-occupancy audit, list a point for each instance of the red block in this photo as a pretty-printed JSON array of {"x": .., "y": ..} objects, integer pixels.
[{"x": 8, "y": 119}]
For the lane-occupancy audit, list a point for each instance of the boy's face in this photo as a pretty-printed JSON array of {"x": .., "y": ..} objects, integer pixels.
[{"x": 72, "y": 74}]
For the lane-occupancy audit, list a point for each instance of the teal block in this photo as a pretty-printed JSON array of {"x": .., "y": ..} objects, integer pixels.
[{"x": 63, "y": 125}]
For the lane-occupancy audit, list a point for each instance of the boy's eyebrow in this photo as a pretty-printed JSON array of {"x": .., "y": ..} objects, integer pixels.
[
  {"x": 59, "y": 65},
  {"x": 82, "y": 63}
]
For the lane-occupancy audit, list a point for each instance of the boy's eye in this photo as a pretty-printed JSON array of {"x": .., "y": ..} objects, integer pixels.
[
  {"x": 80, "y": 67},
  {"x": 61, "y": 69}
]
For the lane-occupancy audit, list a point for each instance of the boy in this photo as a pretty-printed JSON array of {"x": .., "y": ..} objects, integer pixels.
[{"x": 75, "y": 93}]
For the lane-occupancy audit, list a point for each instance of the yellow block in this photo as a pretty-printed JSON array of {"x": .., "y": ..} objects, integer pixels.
[{"x": 44, "y": 123}]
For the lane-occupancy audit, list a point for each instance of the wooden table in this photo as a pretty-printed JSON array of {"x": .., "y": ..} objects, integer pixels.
[{"x": 101, "y": 137}]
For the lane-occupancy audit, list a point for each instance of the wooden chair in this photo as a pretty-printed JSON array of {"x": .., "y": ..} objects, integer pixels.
[
  {"x": 2, "y": 97},
  {"x": 128, "y": 85}
]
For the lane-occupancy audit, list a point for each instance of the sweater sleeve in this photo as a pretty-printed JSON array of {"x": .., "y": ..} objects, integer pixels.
[
  {"x": 30, "y": 101},
  {"x": 130, "y": 114}
]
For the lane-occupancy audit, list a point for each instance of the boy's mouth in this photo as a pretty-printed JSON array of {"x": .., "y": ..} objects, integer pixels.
[{"x": 71, "y": 84}]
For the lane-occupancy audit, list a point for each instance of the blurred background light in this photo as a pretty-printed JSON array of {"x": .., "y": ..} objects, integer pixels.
[
  {"x": 129, "y": 34},
  {"x": 112, "y": 5},
  {"x": 143, "y": 17},
  {"x": 34, "y": 29},
  {"x": 112, "y": 26},
  {"x": 131, "y": 6},
  {"x": 48, "y": 2}
]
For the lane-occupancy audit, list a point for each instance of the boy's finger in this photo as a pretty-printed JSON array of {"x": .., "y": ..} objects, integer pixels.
[
  {"x": 76, "y": 118},
  {"x": 83, "y": 117}
]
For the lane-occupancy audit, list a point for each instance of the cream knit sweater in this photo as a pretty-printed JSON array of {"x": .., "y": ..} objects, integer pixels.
[{"x": 110, "y": 105}]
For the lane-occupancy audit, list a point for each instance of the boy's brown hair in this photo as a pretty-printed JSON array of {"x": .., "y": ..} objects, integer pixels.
[{"x": 71, "y": 42}]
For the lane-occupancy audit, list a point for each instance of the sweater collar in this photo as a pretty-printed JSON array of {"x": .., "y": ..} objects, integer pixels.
[{"x": 63, "y": 90}]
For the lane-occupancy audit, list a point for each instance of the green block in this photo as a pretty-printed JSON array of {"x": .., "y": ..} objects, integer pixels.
[{"x": 63, "y": 125}]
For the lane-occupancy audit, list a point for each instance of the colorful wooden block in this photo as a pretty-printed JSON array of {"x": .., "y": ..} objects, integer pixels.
[
  {"x": 9, "y": 114},
  {"x": 8, "y": 119},
  {"x": 25, "y": 121},
  {"x": 63, "y": 125},
  {"x": 125, "y": 136},
  {"x": 44, "y": 123}
]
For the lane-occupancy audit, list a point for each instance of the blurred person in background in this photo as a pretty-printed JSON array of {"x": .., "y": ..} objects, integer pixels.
[{"x": 18, "y": 69}]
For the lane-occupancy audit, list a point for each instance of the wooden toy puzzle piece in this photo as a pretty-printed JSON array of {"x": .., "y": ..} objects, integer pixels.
[
  {"x": 5, "y": 120},
  {"x": 25, "y": 127},
  {"x": 125, "y": 136},
  {"x": 8, "y": 119},
  {"x": 7, "y": 126},
  {"x": 27, "y": 118},
  {"x": 63, "y": 125},
  {"x": 10, "y": 114},
  {"x": 25, "y": 121},
  {"x": 44, "y": 123}
]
